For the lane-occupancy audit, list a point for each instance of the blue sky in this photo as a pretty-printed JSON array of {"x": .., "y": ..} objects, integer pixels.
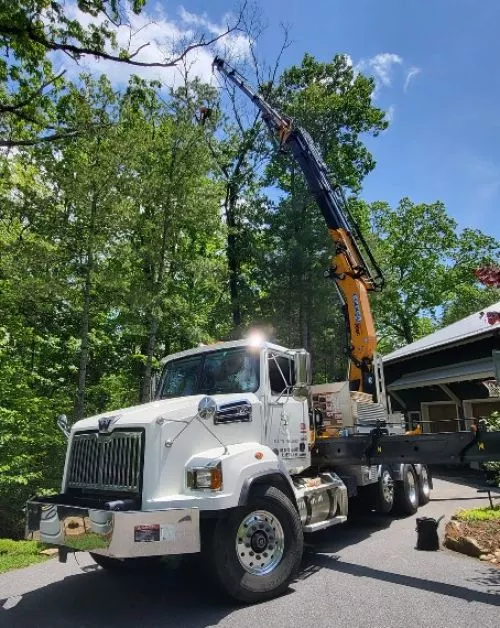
[{"x": 444, "y": 137}]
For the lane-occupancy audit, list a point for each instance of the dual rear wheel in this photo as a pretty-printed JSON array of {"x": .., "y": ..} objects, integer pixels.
[{"x": 404, "y": 496}]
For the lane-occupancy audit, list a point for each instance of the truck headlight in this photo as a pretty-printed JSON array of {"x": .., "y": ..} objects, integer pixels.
[{"x": 205, "y": 477}]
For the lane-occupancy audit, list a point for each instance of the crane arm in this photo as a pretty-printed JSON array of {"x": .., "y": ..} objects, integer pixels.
[{"x": 353, "y": 267}]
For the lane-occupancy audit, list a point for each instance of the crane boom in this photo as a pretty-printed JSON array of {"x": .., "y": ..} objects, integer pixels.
[{"x": 353, "y": 267}]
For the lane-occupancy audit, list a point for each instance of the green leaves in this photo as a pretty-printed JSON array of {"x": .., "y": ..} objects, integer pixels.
[
  {"x": 429, "y": 268},
  {"x": 334, "y": 104},
  {"x": 110, "y": 247}
]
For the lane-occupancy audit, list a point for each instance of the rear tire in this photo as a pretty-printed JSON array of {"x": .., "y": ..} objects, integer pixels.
[
  {"x": 256, "y": 550},
  {"x": 406, "y": 492},
  {"x": 382, "y": 493},
  {"x": 424, "y": 485}
]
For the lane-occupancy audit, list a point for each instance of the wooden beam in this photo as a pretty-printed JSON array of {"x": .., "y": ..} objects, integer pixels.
[
  {"x": 451, "y": 394},
  {"x": 398, "y": 398}
]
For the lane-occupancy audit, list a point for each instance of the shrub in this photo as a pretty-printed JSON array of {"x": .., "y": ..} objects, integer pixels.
[{"x": 492, "y": 469}]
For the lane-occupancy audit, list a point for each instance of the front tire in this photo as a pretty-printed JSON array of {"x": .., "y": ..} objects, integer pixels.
[
  {"x": 256, "y": 550},
  {"x": 406, "y": 492}
]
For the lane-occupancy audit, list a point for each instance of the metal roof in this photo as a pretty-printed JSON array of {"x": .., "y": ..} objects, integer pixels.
[
  {"x": 464, "y": 371},
  {"x": 454, "y": 334}
]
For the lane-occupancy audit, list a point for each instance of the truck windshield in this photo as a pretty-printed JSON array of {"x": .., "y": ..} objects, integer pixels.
[{"x": 223, "y": 371}]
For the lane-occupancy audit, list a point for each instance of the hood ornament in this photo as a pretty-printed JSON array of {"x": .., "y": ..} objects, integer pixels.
[{"x": 106, "y": 423}]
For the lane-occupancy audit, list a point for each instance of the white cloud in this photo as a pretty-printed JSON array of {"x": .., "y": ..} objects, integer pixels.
[
  {"x": 410, "y": 75},
  {"x": 159, "y": 37},
  {"x": 389, "y": 114},
  {"x": 381, "y": 66}
]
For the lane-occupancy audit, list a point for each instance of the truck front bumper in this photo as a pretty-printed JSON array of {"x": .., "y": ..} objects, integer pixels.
[{"x": 127, "y": 534}]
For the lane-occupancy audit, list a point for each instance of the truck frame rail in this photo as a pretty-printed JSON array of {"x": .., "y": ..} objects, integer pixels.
[{"x": 378, "y": 448}]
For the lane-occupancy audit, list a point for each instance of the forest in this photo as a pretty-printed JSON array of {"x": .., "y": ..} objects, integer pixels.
[{"x": 132, "y": 226}]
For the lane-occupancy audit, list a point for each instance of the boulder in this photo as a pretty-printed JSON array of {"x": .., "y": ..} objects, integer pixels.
[
  {"x": 453, "y": 529},
  {"x": 465, "y": 545}
]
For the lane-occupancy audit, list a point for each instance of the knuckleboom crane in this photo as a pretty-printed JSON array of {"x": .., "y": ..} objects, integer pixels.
[{"x": 353, "y": 267}]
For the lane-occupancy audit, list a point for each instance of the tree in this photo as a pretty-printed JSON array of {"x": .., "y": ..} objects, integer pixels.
[
  {"x": 174, "y": 238},
  {"x": 334, "y": 105},
  {"x": 429, "y": 268},
  {"x": 241, "y": 156},
  {"x": 30, "y": 30}
]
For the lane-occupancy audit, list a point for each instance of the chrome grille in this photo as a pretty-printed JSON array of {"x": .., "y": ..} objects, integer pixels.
[{"x": 106, "y": 462}]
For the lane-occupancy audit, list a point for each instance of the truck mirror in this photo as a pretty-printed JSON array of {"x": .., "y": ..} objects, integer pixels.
[
  {"x": 62, "y": 424},
  {"x": 302, "y": 375},
  {"x": 153, "y": 384}
]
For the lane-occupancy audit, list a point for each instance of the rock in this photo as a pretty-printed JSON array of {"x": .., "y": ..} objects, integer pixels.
[
  {"x": 453, "y": 529},
  {"x": 494, "y": 561},
  {"x": 49, "y": 552},
  {"x": 465, "y": 545},
  {"x": 486, "y": 557},
  {"x": 497, "y": 554}
]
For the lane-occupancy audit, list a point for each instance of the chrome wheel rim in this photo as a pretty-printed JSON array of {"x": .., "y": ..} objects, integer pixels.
[
  {"x": 260, "y": 542},
  {"x": 424, "y": 477},
  {"x": 387, "y": 487},
  {"x": 412, "y": 488}
]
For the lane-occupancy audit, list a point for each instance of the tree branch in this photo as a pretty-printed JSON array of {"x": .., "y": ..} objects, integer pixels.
[
  {"x": 33, "y": 142},
  {"x": 41, "y": 38},
  {"x": 24, "y": 103}
]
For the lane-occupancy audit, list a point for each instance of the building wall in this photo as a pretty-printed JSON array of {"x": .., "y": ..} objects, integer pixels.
[{"x": 444, "y": 416}]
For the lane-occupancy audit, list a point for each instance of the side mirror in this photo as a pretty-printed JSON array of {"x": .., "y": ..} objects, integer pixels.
[
  {"x": 62, "y": 424},
  {"x": 303, "y": 375},
  {"x": 153, "y": 383}
]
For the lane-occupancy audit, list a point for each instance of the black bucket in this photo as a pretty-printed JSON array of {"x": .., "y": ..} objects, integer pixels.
[{"x": 427, "y": 534}]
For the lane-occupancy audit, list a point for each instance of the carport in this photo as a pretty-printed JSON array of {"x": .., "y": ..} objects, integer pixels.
[{"x": 451, "y": 377}]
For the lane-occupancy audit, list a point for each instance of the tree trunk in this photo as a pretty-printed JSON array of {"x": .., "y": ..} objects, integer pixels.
[
  {"x": 148, "y": 348},
  {"x": 79, "y": 409},
  {"x": 233, "y": 258},
  {"x": 148, "y": 351},
  {"x": 407, "y": 330}
]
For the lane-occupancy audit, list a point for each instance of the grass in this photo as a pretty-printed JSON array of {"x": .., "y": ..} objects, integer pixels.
[
  {"x": 17, "y": 554},
  {"x": 479, "y": 514}
]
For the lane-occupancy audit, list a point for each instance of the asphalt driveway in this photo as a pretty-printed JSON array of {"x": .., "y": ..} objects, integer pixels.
[{"x": 366, "y": 573}]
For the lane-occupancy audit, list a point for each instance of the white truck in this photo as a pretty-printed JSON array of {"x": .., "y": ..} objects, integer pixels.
[{"x": 221, "y": 461}]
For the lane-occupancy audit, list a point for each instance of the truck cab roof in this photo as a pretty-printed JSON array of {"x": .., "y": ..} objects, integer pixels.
[{"x": 216, "y": 346}]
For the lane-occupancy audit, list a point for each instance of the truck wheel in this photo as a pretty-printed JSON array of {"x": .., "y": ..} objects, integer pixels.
[
  {"x": 256, "y": 550},
  {"x": 382, "y": 493},
  {"x": 424, "y": 485},
  {"x": 406, "y": 492}
]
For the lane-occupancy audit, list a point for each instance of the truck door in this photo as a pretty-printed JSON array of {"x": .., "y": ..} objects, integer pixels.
[{"x": 288, "y": 418}]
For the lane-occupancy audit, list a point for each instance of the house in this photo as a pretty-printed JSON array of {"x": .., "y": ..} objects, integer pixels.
[{"x": 451, "y": 377}]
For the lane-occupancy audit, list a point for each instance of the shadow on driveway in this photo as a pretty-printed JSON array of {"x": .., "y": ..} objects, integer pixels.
[
  {"x": 470, "y": 595},
  {"x": 163, "y": 597}
]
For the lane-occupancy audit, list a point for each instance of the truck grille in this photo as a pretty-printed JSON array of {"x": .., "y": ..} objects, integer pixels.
[{"x": 112, "y": 462}]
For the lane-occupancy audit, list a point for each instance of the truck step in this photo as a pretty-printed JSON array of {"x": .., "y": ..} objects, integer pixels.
[{"x": 322, "y": 525}]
